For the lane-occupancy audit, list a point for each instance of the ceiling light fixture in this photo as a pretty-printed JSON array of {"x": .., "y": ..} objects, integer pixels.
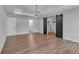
[{"x": 36, "y": 12}]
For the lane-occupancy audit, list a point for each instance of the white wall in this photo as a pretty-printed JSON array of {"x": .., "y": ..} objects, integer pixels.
[
  {"x": 39, "y": 25},
  {"x": 2, "y": 28},
  {"x": 10, "y": 26},
  {"x": 71, "y": 24},
  {"x": 22, "y": 25}
]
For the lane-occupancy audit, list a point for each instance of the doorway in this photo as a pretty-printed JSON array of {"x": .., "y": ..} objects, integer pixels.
[
  {"x": 51, "y": 25},
  {"x": 54, "y": 25},
  {"x": 31, "y": 23},
  {"x": 59, "y": 26}
]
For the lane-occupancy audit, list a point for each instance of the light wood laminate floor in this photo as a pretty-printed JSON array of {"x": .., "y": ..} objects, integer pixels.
[{"x": 37, "y": 43}]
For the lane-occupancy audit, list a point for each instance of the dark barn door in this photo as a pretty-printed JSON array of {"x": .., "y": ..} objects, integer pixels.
[
  {"x": 44, "y": 25},
  {"x": 59, "y": 26}
]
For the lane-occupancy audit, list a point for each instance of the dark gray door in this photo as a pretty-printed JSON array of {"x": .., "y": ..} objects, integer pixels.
[
  {"x": 59, "y": 26},
  {"x": 44, "y": 25}
]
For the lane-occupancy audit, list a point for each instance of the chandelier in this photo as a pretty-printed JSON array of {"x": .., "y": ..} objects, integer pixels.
[{"x": 36, "y": 12}]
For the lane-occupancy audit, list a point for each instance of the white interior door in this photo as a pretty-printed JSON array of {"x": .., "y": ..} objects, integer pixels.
[{"x": 11, "y": 26}]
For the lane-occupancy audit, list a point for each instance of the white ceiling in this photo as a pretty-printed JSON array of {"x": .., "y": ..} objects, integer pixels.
[{"x": 46, "y": 10}]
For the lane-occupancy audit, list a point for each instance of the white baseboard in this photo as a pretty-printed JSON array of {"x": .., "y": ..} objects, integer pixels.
[
  {"x": 67, "y": 38},
  {"x": 23, "y": 33},
  {"x": 18, "y": 34}
]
